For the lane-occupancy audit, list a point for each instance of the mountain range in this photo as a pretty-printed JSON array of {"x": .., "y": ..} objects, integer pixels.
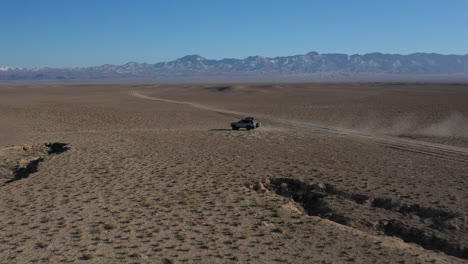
[{"x": 332, "y": 66}]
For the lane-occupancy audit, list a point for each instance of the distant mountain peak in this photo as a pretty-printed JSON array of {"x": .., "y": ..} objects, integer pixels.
[
  {"x": 8, "y": 68},
  {"x": 192, "y": 58},
  {"x": 132, "y": 63}
]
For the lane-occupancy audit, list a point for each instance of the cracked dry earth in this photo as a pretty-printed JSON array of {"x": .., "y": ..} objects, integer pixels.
[{"x": 149, "y": 181}]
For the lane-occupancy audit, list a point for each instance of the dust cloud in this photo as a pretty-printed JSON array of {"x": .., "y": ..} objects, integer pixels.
[{"x": 454, "y": 124}]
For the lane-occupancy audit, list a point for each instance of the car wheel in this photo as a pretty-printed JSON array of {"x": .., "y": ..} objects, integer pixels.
[
  {"x": 235, "y": 128},
  {"x": 248, "y": 128}
]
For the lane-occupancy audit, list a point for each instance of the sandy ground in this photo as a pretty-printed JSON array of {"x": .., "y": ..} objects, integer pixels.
[{"x": 338, "y": 173}]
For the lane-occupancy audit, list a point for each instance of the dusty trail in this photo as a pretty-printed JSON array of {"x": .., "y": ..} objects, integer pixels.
[
  {"x": 444, "y": 152},
  {"x": 199, "y": 106}
]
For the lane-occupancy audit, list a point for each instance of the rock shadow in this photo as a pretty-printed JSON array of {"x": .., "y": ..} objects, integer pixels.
[{"x": 25, "y": 170}]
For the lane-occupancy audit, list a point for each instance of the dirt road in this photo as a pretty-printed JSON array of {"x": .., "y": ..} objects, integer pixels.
[{"x": 445, "y": 152}]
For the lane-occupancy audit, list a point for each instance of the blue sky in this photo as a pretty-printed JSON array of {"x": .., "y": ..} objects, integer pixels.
[{"x": 70, "y": 33}]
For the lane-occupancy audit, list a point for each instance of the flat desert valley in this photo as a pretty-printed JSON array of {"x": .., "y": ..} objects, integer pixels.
[{"x": 337, "y": 173}]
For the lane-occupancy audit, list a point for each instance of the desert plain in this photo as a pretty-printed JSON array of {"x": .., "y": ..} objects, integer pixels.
[{"x": 337, "y": 173}]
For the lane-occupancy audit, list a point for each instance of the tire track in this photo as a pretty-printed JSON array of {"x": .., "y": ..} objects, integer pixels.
[{"x": 440, "y": 151}]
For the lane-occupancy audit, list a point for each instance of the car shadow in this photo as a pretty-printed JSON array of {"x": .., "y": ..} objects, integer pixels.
[{"x": 220, "y": 129}]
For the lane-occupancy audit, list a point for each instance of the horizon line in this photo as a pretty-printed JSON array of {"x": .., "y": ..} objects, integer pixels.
[{"x": 328, "y": 53}]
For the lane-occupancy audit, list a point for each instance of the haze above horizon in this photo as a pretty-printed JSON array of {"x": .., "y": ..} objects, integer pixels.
[{"x": 86, "y": 33}]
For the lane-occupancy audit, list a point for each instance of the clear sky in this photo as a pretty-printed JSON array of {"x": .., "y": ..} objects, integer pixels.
[{"x": 66, "y": 33}]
